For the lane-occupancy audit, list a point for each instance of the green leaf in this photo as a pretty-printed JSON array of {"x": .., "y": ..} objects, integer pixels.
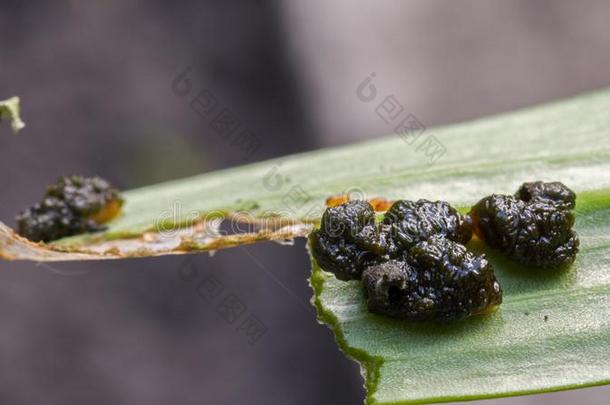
[
  {"x": 9, "y": 110},
  {"x": 551, "y": 332}
]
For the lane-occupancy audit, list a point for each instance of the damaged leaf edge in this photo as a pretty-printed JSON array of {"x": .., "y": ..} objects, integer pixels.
[
  {"x": 199, "y": 237},
  {"x": 369, "y": 365}
]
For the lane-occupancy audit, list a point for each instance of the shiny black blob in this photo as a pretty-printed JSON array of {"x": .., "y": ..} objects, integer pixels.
[
  {"x": 72, "y": 206},
  {"x": 348, "y": 240},
  {"x": 411, "y": 222},
  {"x": 554, "y": 191},
  {"x": 84, "y": 195},
  {"x": 536, "y": 231},
  {"x": 439, "y": 281}
]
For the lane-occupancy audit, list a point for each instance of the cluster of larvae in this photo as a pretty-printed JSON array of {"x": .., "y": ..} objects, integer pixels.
[
  {"x": 73, "y": 205},
  {"x": 414, "y": 263}
]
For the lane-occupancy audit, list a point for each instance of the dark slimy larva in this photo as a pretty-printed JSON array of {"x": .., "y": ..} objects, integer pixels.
[{"x": 73, "y": 205}]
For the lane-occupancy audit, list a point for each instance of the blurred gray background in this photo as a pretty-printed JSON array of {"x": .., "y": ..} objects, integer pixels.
[{"x": 96, "y": 85}]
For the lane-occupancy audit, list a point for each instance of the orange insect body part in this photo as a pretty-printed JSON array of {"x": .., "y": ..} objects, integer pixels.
[{"x": 379, "y": 204}]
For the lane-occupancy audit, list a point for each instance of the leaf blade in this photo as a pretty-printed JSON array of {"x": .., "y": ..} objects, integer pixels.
[
  {"x": 565, "y": 141},
  {"x": 550, "y": 333}
]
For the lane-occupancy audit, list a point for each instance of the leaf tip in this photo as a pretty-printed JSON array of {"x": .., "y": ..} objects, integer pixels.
[{"x": 9, "y": 110}]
